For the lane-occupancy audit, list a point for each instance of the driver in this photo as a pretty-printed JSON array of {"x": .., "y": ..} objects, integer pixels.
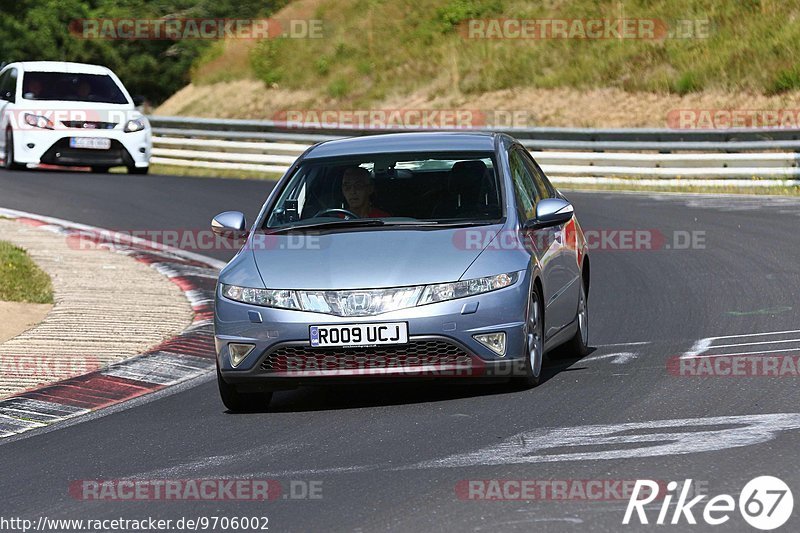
[
  {"x": 357, "y": 188},
  {"x": 84, "y": 90},
  {"x": 33, "y": 89}
]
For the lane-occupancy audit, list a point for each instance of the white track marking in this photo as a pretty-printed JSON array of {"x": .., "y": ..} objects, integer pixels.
[
  {"x": 657, "y": 438},
  {"x": 621, "y": 344},
  {"x": 162, "y": 368},
  {"x": 617, "y": 358},
  {"x": 706, "y": 344},
  {"x": 740, "y": 353},
  {"x": 753, "y": 343},
  {"x": 699, "y": 347},
  {"x": 756, "y": 334},
  {"x": 10, "y": 425}
]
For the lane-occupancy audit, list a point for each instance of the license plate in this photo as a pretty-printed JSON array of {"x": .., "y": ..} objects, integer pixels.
[
  {"x": 358, "y": 334},
  {"x": 92, "y": 143}
]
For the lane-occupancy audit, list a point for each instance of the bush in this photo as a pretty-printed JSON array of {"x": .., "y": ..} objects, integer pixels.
[
  {"x": 687, "y": 83},
  {"x": 785, "y": 81}
]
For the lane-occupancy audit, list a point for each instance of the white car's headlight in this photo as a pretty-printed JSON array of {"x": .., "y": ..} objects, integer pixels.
[
  {"x": 38, "y": 121},
  {"x": 137, "y": 124},
  {"x": 461, "y": 289},
  {"x": 367, "y": 302}
]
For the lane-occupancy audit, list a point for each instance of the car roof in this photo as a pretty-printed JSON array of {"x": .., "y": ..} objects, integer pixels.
[
  {"x": 406, "y": 142},
  {"x": 62, "y": 66}
]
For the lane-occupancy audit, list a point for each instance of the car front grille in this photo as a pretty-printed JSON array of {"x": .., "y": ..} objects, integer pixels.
[
  {"x": 89, "y": 124},
  {"x": 61, "y": 153},
  {"x": 414, "y": 354}
]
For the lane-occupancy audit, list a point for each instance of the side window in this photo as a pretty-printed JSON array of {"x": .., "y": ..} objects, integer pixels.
[
  {"x": 12, "y": 84},
  {"x": 540, "y": 181},
  {"x": 523, "y": 184},
  {"x": 4, "y": 77}
]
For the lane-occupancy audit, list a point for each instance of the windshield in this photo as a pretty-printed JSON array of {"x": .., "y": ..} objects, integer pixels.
[
  {"x": 393, "y": 188},
  {"x": 72, "y": 87}
]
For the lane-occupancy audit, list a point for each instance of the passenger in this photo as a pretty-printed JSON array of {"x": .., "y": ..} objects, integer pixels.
[{"x": 357, "y": 188}]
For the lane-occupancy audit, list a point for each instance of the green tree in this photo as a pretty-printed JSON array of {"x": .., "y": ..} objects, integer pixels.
[{"x": 41, "y": 30}]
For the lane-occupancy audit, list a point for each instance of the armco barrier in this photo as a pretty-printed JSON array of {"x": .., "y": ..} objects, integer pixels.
[{"x": 715, "y": 156}]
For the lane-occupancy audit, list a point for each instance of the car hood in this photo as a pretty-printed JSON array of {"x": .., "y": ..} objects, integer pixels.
[{"x": 363, "y": 259}]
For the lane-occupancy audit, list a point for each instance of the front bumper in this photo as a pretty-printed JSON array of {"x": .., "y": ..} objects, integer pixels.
[
  {"x": 441, "y": 343},
  {"x": 51, "y": 147}
]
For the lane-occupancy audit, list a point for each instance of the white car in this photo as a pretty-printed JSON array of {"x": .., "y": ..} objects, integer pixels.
[{"x": 70, "y": 114}]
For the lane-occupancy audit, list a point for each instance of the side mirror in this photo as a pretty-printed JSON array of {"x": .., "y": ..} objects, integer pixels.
[
  {"x": 138, "y": 100},
  {"x": 550, "y": 212},
  {"x": 230, "y": 224}
]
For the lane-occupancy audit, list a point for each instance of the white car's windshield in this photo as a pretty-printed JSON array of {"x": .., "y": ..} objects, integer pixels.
[
  {"x": 416, "y": 187},
  {"x": 71, "y": 87}
]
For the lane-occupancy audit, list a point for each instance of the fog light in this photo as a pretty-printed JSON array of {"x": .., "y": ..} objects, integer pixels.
[
  {"x": 238, "y": 352},
  {"x": 496, "y": 342}
]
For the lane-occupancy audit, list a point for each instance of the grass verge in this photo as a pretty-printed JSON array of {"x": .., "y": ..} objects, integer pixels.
[
  {"x": 369, "y": 50},
  {"x": 20, "y": 279}
]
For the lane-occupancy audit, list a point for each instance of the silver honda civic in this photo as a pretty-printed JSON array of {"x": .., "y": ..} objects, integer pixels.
[{"x": 399, "y": 257}]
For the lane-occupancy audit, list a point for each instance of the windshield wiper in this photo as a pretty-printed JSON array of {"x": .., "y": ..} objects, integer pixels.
[
  {"x": 437, "y": 224},
  {"x": 371, "y": 222},
  {"x": 354, "y": 223}
]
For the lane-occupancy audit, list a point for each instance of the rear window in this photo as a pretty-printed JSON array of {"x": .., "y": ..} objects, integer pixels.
[{"x": 72, "y": 87}]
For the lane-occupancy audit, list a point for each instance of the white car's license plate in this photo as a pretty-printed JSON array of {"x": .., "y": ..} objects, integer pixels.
[
  {"x": 93, "y": 143},
  {"x": 358, "y": 334}
]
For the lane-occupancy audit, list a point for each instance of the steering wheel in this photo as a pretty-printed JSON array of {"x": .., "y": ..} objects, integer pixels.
[{"x": 348, "y": 215}]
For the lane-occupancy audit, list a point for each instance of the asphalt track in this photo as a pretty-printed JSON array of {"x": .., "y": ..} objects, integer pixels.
[{"x": 392, "y": 457}]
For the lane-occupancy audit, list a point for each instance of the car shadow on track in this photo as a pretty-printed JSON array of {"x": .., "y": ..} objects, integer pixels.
[{"x": 355, "y": 396}]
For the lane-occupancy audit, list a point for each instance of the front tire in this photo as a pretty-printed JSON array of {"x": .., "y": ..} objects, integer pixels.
[
  {"x": 579, "y": 344},
  {"x": 534, "y": 344},
  {"x": 241, "y": 402},
  {"x": 8, "y": 162},
  {"x": 138, "y": 170}
]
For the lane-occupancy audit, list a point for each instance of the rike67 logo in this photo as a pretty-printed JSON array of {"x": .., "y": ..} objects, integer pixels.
[{"x": 765, "y": 503}]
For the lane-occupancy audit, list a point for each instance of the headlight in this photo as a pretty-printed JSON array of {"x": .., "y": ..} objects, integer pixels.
[
  {"x": 269, "y": 298},
  {"x": 460, "y": 289},
  {"x": 367, "y": 302},
  {"x": 38, "y": 121},
  {"x": 135, "y": 125}
]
